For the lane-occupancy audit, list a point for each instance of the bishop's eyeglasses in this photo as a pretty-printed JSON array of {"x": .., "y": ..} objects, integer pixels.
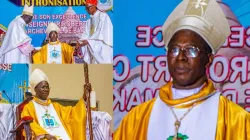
[
  {"x": 189, "y": 51},
  {"x": 45, "y": 88}
]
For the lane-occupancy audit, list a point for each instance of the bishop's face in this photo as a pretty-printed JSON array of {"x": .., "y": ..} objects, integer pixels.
[
  {"x": 27, "y": 18},
  {"x": 53, "y": 35},
  {"x": 90, "y": 9},
  {"x": 42, "y": 90},
  {"x": 186, "y": 66}
]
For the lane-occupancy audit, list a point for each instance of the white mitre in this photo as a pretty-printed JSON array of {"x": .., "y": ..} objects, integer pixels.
[
  {"x": 205, "y": 17},
  {"x": 28, "y": 10},
  {"x": 36, "y": 77},
  {"x": 52, "y": 27}
]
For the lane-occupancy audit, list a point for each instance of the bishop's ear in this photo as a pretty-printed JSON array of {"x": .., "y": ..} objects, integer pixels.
[{"x": 210, "y": 60}]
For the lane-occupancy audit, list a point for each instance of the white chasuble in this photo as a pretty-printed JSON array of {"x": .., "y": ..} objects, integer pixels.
[
  {"x": 54, "y": 54},
  {"x": 99, "y": 34},
  {"x": 50, "y": 121},
  {"x": 199, "y": 124},
  {"x": 16, "y": 46}
]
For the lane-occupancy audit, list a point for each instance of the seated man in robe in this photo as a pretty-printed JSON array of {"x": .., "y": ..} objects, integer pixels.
[
  {"x": 54, "y": 52},
  {"x": 53, "y": 121},
  {"x": 96, "y": 43},
  {"x": 189, "y": 107}
]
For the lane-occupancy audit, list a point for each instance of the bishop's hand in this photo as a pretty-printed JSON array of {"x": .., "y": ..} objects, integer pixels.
[
  {"x": 84, "y": 42},
  {"x": 34, "y": 52}
]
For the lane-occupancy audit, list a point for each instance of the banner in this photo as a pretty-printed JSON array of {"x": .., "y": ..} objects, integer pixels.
[
  {"x": 140, "y": 66},
  {"x": 69, "y": 15},
  {"x": 13, "y": 85},
  {"x": 13, "y": 82}
]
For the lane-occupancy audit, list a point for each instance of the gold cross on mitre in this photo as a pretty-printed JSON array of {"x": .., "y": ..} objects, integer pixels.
[{"x": 24, "y": 88}]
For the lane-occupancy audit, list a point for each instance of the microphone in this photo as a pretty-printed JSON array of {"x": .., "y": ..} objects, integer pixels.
[{"x": 13, "y": 114}]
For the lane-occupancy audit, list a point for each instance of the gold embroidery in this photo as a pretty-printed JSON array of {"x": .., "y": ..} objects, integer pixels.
[
  {"x": 197, "y": 7},
  {"x": 48, "y": 101}
]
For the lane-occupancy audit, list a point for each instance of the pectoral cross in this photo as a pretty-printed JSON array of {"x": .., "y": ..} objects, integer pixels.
[
  {"x": 47, "y": 114},
  {"x": 24, "y": 88},
  {"x": 177, "y": 125}
]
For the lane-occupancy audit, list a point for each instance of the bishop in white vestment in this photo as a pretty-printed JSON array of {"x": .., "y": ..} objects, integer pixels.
[
  {"x": 97, "y": 40},
  {"x": 16, "y": 46}
]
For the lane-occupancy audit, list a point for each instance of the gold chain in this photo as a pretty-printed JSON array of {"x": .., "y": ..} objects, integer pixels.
[
  {"x": 177, "y": 123},
  {"x": 46, "y": 110},
  {"x": 47, "y": 114}
]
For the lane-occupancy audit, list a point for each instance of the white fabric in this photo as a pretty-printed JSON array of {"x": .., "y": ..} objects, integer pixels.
[
  {"x": 57, "y": 50},
  {"x": 54, "y": 131},
  {"x": 15, "y": 36},
  {"x": 199, "y": 123},
  {"x": 97, "y": 53},
  {"x": 52, "y": 27},
  {"x": 178, "y": 93},
  {"x": 26, "y": 48},
  {"x": 100, "y": 43},
  {"x": 7, "y": 118},
  {"x": 101, "y": 124},
  {"x": 36, "y": 77}
]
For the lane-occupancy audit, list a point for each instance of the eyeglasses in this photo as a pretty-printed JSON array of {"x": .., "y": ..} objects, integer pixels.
[
  {"x": 189, "y": 51},
  {"x": 45, "y": 88}
]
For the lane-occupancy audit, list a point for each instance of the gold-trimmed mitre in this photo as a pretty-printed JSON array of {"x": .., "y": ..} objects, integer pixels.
[
  {"x": 28, "y": 10},
  {"x": 204, "y": 17},
  {"x": 52, "y": 27},
  {"x": 36, "y": 77}
]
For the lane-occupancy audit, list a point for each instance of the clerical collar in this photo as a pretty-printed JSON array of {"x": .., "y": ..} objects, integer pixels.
[
  {"x": 42, "y": 102},
  {"x": 204, "y": 92},
  {"x": 96, "y": 14},
  {"x": 54, "y": 43},
  {"x": 182, "y": 93}
]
